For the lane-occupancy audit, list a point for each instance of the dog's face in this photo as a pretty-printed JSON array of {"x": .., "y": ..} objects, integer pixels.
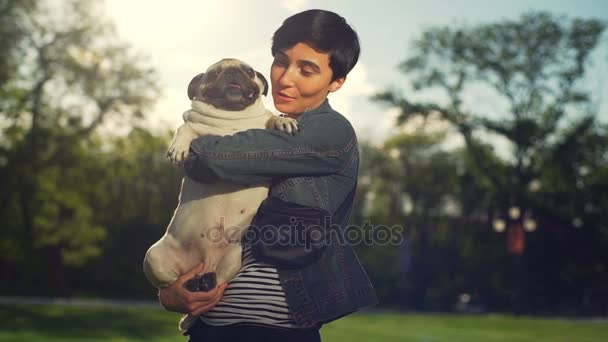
[{"x": 229, "y": 84}]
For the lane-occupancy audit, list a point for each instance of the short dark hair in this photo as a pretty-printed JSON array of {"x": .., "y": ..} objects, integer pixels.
[{"x": 324, "y": 30}]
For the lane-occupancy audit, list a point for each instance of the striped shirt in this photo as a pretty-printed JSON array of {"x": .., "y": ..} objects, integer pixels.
[{"x": 254, "y": 296}]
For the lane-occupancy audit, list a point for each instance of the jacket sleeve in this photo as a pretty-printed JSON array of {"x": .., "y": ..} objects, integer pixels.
[{"x": 324, "y": 145}]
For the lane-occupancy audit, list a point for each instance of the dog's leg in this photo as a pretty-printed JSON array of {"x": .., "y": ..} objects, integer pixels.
[
  {"x": 186, "y": 322},
  {"x": 287, "y": 125},
  {"x": 178, "y": 151},
  {"x": 160, "y": 266},
  {"x": 180, "y": 146}
]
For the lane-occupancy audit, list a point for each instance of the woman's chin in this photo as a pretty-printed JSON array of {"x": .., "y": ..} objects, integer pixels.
[{"x": 285, "y": 108}]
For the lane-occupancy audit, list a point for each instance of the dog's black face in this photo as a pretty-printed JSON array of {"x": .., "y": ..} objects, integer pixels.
[{"x": 229, "y": 84}]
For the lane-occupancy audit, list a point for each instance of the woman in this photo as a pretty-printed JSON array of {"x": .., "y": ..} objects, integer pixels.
[{"x": 313, "y": 53}]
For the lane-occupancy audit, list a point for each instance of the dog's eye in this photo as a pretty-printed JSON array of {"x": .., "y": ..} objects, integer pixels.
[
  {"x": 250, "y": 72},
  {"x": 212, "y": 74}
]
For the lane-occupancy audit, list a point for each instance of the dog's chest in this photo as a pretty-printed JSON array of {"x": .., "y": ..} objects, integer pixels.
[{"x": 220, "y": 203}]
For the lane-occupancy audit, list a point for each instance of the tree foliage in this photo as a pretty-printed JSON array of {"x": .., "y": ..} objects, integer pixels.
[
  {"x": 65, "y": 73},
  {"x": 533, "y": 70},
  {"x": 79, "y": 207},
  {"x": 409, "y": 184},
  {"x": 535, "y": 65}
]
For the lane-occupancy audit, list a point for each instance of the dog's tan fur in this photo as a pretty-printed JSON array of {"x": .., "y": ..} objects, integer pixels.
[{"x": 207, "y": 213}]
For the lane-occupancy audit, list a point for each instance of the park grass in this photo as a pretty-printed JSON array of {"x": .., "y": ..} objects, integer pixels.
[{"x": 54, "y": 323}]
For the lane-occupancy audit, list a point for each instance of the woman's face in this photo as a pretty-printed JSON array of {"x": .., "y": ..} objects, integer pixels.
[{"x": 301, "y": 79}]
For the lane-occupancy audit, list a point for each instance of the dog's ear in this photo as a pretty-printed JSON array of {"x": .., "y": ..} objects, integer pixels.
[
  {"x": 264, "y": 82},
  {"x": 194, "y": 85}
]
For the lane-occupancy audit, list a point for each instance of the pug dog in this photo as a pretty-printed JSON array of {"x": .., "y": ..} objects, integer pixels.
[{"x": 210, "y": 218}]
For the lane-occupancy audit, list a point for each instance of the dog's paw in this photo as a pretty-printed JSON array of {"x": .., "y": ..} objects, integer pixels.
[
  {"x": 203, "y": 283},
  {"x": 178, "y": 151},
  {"x": 287, "y": 125},
  {"x": 177, "y": 154},
  {"x": 180, "y": 146}
]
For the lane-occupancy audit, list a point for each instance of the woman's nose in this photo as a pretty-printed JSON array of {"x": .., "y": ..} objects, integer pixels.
[{"x": 287, "y": 77}]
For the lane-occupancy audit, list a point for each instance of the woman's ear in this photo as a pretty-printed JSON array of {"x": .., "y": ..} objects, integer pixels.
[{"x": 336, "y": 84}]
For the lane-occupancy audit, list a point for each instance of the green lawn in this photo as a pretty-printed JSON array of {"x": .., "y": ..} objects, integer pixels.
[{"x": 62, "y": 323}]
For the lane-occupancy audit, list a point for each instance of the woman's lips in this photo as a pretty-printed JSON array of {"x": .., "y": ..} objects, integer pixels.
[{"x": 282, "y": 97}]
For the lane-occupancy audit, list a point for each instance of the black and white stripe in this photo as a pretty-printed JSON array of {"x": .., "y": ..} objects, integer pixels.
[{"x": 254, "y": 296}]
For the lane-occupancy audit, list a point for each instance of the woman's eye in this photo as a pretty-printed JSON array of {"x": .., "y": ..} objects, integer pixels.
[
  {"x": 278, "y": 61},
  {"x": 306, "y": 72}
]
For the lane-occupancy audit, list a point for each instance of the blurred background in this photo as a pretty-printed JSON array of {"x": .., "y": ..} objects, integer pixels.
[{"x": 483, "y": 129}]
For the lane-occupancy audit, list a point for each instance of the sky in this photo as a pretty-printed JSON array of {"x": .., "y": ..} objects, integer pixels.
[{"x": 183, "y": 37}]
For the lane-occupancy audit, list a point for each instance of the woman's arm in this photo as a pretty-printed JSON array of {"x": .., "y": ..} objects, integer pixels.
[{"x": 324, "y": 145}]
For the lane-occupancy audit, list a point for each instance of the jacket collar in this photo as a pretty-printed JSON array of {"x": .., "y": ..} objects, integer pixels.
[{"x": 323, "y": 108}]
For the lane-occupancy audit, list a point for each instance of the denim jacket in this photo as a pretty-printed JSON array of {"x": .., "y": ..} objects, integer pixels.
[{"x": 318, "y": 167}]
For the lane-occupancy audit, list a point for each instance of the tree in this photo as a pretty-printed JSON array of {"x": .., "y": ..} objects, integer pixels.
[
  {"x": 137, "y": 192},
  {"x": 409, "y": 183},
  {"x": 533, "y": 69},
  {"x": 72, "y": 75},
  {"x": 535, "y": 65},
  {"x": 12, "y": 32}
]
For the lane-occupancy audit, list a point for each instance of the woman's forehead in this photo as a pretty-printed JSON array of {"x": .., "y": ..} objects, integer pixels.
[{"x": 304, "y": 52}]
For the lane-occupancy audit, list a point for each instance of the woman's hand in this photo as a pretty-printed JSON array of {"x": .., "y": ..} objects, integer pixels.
[{"x": 178, "y": 299}]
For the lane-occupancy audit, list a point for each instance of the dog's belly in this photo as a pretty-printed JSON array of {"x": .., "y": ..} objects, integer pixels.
[
  {"x": 210, "y": 218},
  {"x": 206, "y": 226},
  {"x": 206, "y": 209}
]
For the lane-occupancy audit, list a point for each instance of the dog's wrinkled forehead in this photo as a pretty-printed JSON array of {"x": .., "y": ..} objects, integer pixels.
[{"x": 227, "y": 63}]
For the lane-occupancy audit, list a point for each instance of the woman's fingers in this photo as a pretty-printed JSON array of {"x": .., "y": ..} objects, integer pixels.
[
  {"x": 214, "y": 293},
  {"x": 195, "y": 303},
  {"x": 218, "y": 293},
  {"x": 190, "y": 274}
]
